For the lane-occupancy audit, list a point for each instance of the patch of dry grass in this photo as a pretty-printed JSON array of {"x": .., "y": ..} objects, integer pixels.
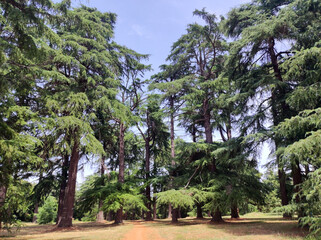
[
  {"x": 82, "y": 231},
  {"x": 256, "y": 226}
]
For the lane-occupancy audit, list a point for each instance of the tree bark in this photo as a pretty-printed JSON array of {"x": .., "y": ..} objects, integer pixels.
[
  {"x": 199, "y": 211},
  {"x": 121, "y": 179},
  {"x": 65, "y": 220},
  {"x": 234, "y": 211},
  {"x": 217, "y": 217},
  {"x": 172, "y": 133},
  {"x": 147, "y": 169},
  {"x": 175, "y": 215},
  {"x": 3, "y": 193},
  {"x": 63, "y": 185},
  {"x": 100, "y": 215},
  {"x": 278, "y": 114},
  {"x": 297, "y": 179},
  {"x": 154, "y": 208},
  {"x": 35, "y": 212}
]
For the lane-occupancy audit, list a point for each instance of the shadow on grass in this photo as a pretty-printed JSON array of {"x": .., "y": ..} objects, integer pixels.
[
  {"x": 243, "y": 226},
  {"x": 42, "y": 229}
]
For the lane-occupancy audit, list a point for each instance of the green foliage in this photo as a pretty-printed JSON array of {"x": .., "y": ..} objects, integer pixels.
[
  {"x": 177, "y": 198},
  {"x": 48, "y": 211}
]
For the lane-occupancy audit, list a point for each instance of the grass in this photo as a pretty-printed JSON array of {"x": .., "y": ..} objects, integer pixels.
[
  {"x": 253, "y": 226},
  {"x": 86, "y": 230}
]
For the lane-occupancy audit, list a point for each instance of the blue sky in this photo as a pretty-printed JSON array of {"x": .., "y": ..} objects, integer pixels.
[{"x": 152, "y": 26}]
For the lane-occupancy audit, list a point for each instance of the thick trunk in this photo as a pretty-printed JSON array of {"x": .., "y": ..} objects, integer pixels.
[
  {"x": 119, "y": 213},
  {"x": 175, "y": 215},
  {"x": 199, "y": 211},
  {"x": 3, "y": 193},
  {"x": 63, "y": 185},
  {"x": 100, "y": 215},
  {"x": 234, "y": 211},
  {"x": 217, "y": 217},
  {"x": 119, "y": 216},
  {"x": 65, "y": 220}
]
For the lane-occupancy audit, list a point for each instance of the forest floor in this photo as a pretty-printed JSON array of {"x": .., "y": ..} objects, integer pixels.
[{"x": 252, "y": 226}]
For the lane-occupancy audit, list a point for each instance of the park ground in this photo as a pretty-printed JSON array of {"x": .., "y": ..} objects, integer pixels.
[{"x": 253, "y": 226}]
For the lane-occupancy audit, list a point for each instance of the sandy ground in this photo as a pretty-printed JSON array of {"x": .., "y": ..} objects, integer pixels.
[{"x": 142, "y": 232}]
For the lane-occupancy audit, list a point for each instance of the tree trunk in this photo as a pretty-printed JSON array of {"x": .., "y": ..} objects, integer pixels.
[
  {"x": 199, "y": 211},
  {"x": 100, "y": 215},
  {"x": 297, "y": 179},
  {"x": 154, "y": 208},
  {"x": 283, "y": 191},
  {"x": 147, "y": 169},
  {"x": 63, "y": 185},
  {"x": 65, "y": 220},
  {"x": 217, "y": 217},
  {"x": 35, "y": 212},
  {"x": 119, "y": 216},
  {"x": 3, "y": 193},
  {"x": 169, "y": 211},
  {"x": 119, "y": 213},
  {"x": 234, "y": 211},
  {"x": 172, "y": 133},
  {"x": 279, "y": 114},
  {"x": 175, "y": 215}
]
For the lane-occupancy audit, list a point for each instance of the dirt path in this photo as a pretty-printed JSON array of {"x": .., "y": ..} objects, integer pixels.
[{"x": 142, "y": 232}]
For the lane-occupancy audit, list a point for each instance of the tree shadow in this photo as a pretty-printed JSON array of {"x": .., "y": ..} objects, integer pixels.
[
  {"x": 42, "y": 229},
  {"x": 244, "y": 226}
]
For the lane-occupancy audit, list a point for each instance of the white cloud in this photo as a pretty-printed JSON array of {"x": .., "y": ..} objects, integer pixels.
[{"x": 137, "y": 30}]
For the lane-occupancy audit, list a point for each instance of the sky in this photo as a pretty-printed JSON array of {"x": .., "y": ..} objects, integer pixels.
[{"x": 152, "y": 26}]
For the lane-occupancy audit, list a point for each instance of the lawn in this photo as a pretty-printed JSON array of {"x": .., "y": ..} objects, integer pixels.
[{"x": 251, "y": 226}]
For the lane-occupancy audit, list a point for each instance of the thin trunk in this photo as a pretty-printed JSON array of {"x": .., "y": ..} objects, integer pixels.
[
  {"x": 297, "y": 180},
  {"x": 217, "y": 217},
  {"x": 65, "y": 219},
  {"x": 234, "y": 211},
  {"x": 172, "y": 132},
  {"x": 199, "y": 211},
  {"x": 63, "y": 185},
  {"x": 119, "y": 213},
  {"x": 3, "y": 193},
  {"x": 207, "y": 122},
  {"x": 100, "y": 215},
  {"x": 283, "y": 191},
  {"x": 154, "y": 208},
  {"x": 35, "y": 212},
  {"x": 147, "y": 169},
  {"x": 169, "y": 211}
]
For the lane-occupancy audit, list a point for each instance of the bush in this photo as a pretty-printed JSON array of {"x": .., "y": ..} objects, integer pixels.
[{"x": 48, "y": 211}]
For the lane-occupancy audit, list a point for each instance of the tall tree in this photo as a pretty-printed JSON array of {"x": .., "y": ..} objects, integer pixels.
[{"x": 202, "y": 47}]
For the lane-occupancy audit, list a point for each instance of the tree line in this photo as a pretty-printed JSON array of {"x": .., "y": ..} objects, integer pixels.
[{"x": 70, "y": 94}]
